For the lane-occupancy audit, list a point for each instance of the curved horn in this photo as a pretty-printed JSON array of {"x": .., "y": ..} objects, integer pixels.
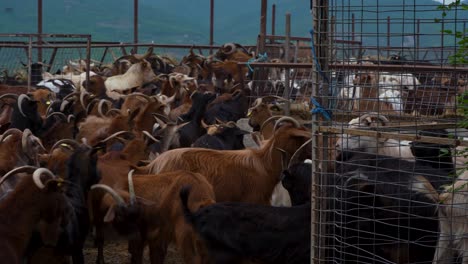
[
  {"x": 24, "y": 139},
  {"x": 62, "y": 115},
  {"x": 70, "y": 95},
  {"x": 83, "y": 93},
  {"x": 268, "y": 120},
  {"x": 9, "y": 95},
  {"x": 144, "y": 56},
  {"x": 171, "y": 99},
  {"x": 91, "y": 105},
  {"x": 100, "y": 105},
  {"x": 131, "y": 188},
  {"x": 117, "y": 134},
  {"x": 146, "y": 133},
  {"x": 231, "y": 124},
  {"x": 20, "y": 102},
  {"x": 270, "y": 98},
  {"x": 68, "y": 141},
  {"x": 374, "y": 114},
  {"x": 164, "y": 118},
  {"x": 218, "y": 121},
  {"x": 229, "y": 48},
  {"x": 26, "y": 168},
  {"x": 37, "y": 176},
  {"x": 120, "y": 201},
  {"x": 257, "y": 102},
  {"x": 139, "y": 94},
  {"x": 63, "y": 105},
  {"x": 294, "y": 156},
  {"x": 118, "y": 111},
  {"x": 9, "y": 132},
  {"x": 289, "y": 119},
  {"x": 204, "y": 125}
]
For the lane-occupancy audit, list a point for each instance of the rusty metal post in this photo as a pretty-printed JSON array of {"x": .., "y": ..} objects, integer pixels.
[
  {"x": 211, "y": 25},
  {"x": 135, "y": 24},
  {"x": 263, "y": 26},
  {"x": 287, "y": 47},
  {"x": 353, "y": 33},
  {"x": 29, "y": 62},
  {"x": 273, "y": 22},
  {"x": 388, "y": 37},
  {"x": 418, "y": 33},
  {"x": 88, "y": 56},
  {"x": 39, "y": 30}
]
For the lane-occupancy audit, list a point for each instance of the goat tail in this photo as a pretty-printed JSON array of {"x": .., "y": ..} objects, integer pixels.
[{"x": 184, "y": 194}]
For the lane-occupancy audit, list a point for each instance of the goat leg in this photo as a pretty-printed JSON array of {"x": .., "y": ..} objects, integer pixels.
[
  {"x": 136, "y": 248},
  {"x": 157, "y": 250}
]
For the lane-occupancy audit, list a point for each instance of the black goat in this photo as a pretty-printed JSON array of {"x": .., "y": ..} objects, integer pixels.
[
  {"x": 82, "y": 173},
  {"x": 382, "y": 209},
  {"x": 297, "y": 179},
  {"x": 193, "y": 130},
  {"x": 234, "y": 232},
  {"x": 25, "y": 115},
  {"x": 232, "y": 109},
  {"x": 224, "y": 137}
]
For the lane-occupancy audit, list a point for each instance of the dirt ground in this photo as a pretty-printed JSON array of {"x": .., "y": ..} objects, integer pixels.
[{"x": 115, "y": 252}]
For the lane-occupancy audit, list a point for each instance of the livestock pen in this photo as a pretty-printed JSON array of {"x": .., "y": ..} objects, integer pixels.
[{"x": 382, "y": 99}]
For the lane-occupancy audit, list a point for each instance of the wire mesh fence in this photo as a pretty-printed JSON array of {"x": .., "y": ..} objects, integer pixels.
[{"x": 389, "y": 176}]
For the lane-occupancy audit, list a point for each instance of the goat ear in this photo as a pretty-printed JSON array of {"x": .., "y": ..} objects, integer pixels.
[{"x": 110, "y": 214}]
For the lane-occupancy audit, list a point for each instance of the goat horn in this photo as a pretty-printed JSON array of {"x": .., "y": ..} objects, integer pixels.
[
  {"x": 155, "y": 127},
  {"x": 229, "y": 48},
  {"x": 218, "y": 121},
  {"x": 286, "y": 118},
  {"x": 270, "y": 98},
  {"x": 118, "y": 111},
  {"x": 17, "y": 170},
  {"x": 62, "y": 115},
  {"x": 146, "y": 133},
  {"x": 374, "y": 114},
  {"x": 271, "y": 118},
  {"x": 37, "y": 176},
  {"x": 68, "y": 141},
  {"x": 9, "y": 95},
  {"x": 294, "y": 156},
  {"x": 82, "y": 95},
  {"x": 70, "y": 95},
  {"x": 131, "y": 188},
  {"x": 24, "y": 138},
  {"x": 257, "y": 102},
  {"x": 204, "y": 125},
  {"x": 116, "y": 134},
  {"x": 139, "y": 94},
  {"x": 100, "y": 105},
  {"x": 231, "y": 124},
  {"x": 20, "y": 102},
  {"x": 171, "y": 99},
  {"x": 9, "y": 132},
  {"x": 91, "y": 105},
  {"x": 69, "y": 118},
  {"x": 161, "y": 117},
  {"x": 63, "y": 105},
  {"x": 120, "y": 201}
]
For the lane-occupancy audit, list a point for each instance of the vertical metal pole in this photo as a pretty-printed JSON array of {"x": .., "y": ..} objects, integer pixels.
[
  {"x": 135, "y": 24},
  {"x": 418, "y": 32},
  {"x": 88, "y": 56},
  {"x": 29, "y": 62},
  {"x": 263, "y": 26},
  {"x": 39, "y": 30},
  {"x": 273, "y": 22},
  {"x": 211, "y": 25},
  {"x": 287, "y": 70},
  {"x": 353, "y": 33},
  {"x": 388, "y": 37}
]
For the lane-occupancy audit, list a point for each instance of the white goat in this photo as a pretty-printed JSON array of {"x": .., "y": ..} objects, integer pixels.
[
  {"x": 381, "y": 146},
  {"x": 453, "y": 222},
  {"x": 137, "y": 75}
]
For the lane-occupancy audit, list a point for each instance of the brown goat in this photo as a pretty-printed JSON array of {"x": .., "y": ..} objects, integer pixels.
[
  {"x": 369, "y": 99},
  {"x": 239, "y": 175},
  {"x": 157, "y": 215},
  {"x": 32, "y": 205}
]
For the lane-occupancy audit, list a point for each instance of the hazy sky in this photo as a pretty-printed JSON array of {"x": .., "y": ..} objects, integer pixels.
[{"x": 446, "y": 1}]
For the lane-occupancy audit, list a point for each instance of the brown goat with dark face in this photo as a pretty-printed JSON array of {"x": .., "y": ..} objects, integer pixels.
[
  {"x": 33, "y": 205},
  {"x": 155, "y": 216},
  {"x": 248, "y": 175}
]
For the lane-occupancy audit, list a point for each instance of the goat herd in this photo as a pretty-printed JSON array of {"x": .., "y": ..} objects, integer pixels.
[{"x": 150, "y": 149}]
